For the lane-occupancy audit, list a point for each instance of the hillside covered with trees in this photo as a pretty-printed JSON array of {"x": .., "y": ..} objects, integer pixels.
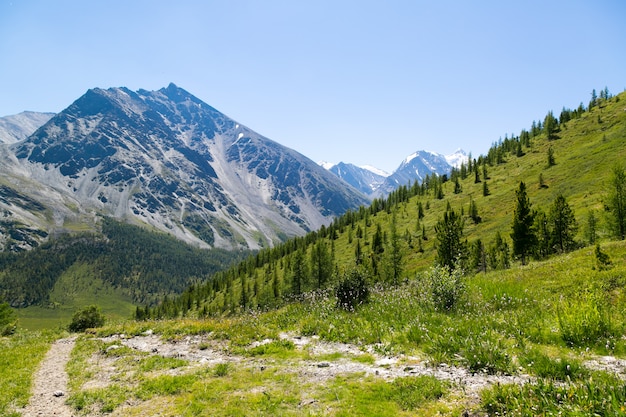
[
  {"x": 138, "y": 264},
  {"x": 554, "y": 187}
]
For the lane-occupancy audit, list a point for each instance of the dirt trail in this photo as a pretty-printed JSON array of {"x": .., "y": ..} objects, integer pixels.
[{"x": 50, "y": 384}]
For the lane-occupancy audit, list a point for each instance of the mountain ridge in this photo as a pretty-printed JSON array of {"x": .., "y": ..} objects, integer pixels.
[
  {"x": 167, "y": 159},
  {"x": 376, "y": 183}
]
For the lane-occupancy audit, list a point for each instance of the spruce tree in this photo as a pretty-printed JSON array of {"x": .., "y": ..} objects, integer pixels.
[
  {"x": 617, "y": 201},
  {"x": 563, "y": 225},
  {"x": 450, "y": 246}
]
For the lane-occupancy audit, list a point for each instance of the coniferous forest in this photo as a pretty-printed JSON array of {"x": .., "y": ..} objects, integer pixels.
[{"x": 141, "y": 264}]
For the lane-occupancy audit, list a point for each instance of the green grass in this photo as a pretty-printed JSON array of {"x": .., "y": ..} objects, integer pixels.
[
  {"x": 20, "y": 355},
  {"x": 506, "y": 322},
  {"x": 600, "y": 395}
]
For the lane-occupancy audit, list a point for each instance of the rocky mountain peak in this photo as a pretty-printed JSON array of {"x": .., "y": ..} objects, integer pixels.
[{"x": 166, "y": 159}]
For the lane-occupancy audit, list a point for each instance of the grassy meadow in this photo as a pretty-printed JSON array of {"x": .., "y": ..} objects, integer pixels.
[{"x": 546, "y": 322}]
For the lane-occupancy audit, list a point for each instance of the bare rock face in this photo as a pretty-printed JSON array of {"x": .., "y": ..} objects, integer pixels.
[{"x": 164, "y": 159}]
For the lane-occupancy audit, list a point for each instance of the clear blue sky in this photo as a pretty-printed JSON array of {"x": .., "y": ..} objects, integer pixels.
[{"x": 367, "y": 82}]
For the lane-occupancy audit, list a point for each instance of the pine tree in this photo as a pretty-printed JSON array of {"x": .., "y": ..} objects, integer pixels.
[
  {"x": 542, "y": 227},
  {"x": 450, "y": 246},
  {"x": 551, "y": 160},
  {"x": 591, "y": 231},
  {"x": 321, "y": 263},
  {"x": 478, "y": 257},
  {"x": 473, "y": 211},
  {"x": 457, "y": 186},
  {"x": 594, "y": 99},
  {"x": 523, "y": 233},
  {"x": 550, "y": 126},
  {"x": 617, "y": 201},
  {"x": 396, "y": 256},
  {"x": 299, "y": 272},
  {"x": 563, "y": 225}
]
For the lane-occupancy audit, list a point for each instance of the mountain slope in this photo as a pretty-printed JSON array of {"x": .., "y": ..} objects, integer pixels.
[
  {"x": 166, "y": 159},
  {"x": 20, "y": 126},
  {"x": 398, "y": 235}
]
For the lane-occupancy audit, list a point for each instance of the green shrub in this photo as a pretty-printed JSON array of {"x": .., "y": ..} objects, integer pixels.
[
  {"x": 87, "y": 318},
  {"x": 8, "y": 320},
  {"x": 447, "y": 287},
  {"x": 352, "y": 290}
]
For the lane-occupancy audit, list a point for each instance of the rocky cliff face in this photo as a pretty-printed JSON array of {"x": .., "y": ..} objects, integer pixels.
[{"x": 166, "y": 159}]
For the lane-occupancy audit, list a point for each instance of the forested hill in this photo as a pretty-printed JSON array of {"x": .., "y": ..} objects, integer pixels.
[
  {"x": 138, "y": 263},
  {"x": 571, "y": 165}
]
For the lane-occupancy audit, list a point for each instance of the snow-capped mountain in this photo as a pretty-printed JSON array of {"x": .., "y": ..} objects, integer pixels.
[
  {"x": 365, "y": 179},
  {"x": 415, "y": 167},
  {"x": 166, "y": 159},
  {"x": 457, "y": 158},
  {"x": 20, "y": 126}
]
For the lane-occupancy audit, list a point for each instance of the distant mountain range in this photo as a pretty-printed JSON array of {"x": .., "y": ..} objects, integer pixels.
[
  {"x": 164, "y": 159},
  {"x": 376, "y": 183},
  {"x": 20, "y": 126}
]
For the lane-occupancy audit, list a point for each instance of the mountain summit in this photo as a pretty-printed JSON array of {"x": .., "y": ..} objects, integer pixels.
[
  {"x": 415, "y": 167},
  {"x": 166, "y": 159}
]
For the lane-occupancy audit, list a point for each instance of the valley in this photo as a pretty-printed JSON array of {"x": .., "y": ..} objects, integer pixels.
[{"x": 426, "y": 302}]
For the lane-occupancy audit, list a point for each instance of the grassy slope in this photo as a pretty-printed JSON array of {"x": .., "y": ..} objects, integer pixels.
[
  {"x": 75, "y": 289},
  {"x": 517, "y": 320},
  {"x": 508, "y": 322}
]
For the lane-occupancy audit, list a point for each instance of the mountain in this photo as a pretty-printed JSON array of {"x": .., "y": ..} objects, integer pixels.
[
  {"x": 164, "y": 159},
  {"x": 365, "y": 179},
  {"x": 376, "y": 183},
  {"x": 417, "y": 166},
  {"x": 20, "y": 126},
  {"x": 401, "y": 237}
]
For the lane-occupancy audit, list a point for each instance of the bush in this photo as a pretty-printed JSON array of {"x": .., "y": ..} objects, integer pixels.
[
  {"x": 447, "y": 287},
  {"x": 8, "y": 320},
  {"x": 87, "y": 318},
  {"x": 352, "y": 290}
]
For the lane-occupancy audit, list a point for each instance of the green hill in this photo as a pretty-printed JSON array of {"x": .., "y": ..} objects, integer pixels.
[{"x": 395, "y": 238}]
